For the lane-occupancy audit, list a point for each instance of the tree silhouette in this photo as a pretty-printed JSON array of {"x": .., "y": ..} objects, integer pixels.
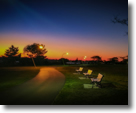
[
  {"x": 12, "y": 51},
  {"x": 127, "y": 57},
  {"x": 96, "y": 58},
  {"x": 114, "y": 59},
  {"x": 124, "y": 59},
  {"x": 121, "y": 21},
  {"x": 34, "y": 50}
]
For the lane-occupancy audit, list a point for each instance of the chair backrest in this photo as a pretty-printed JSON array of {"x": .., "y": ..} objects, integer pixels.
[
  {"x": 100, "y": 76},
  {"x": 90, "y": 71},
  {"x": 81, "y": 68}
]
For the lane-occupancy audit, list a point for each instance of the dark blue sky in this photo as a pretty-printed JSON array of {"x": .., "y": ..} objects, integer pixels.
[
  {"x": 86, "y": 17},
  {"x": 88, "y": 20}
]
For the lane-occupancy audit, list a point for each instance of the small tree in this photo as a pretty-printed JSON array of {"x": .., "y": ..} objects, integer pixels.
[
  {"x": 96, "y": 58},
  {"x": 124, "y": 59},
  {"x": 113, "y": 60},
  {"x": 12, "y": 51},
  {"x": 34, "y": 50}
]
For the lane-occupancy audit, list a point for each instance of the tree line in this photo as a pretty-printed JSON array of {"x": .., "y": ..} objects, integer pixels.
[
  {"x": 38, "y": 51},
  {"x": 13, "y": 57},
  {"x": 113, "y": 60},
  {"x": 33, "y": 50}
]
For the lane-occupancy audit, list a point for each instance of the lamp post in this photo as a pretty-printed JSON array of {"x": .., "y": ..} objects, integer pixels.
[
  {"x": 84, "y": 57},
  {"x": 41, "y": 47},
  {"x": 62, "y": 57}
]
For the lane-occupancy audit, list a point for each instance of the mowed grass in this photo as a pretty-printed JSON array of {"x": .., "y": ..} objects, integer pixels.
[
  {"x": 114, "y": 92},
  {"x": 13, "y": 76}
]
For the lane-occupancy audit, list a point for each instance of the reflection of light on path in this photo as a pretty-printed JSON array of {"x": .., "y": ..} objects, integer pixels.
[{"x": 40, "y": 90}]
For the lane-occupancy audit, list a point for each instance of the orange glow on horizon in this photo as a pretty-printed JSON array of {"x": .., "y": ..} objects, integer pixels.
[{"x": 56, "y": 48}]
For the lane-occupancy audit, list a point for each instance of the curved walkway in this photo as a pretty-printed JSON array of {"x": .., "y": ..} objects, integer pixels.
[{"x": 41, "y": 90}]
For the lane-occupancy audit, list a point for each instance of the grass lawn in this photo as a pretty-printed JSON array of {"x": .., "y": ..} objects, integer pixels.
[
  {"x": 114, "y": 92},
  {"x": 13, "y": 76}
]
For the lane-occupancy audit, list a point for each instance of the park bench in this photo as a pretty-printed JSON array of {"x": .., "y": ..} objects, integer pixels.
[
  {"x": 89, "y": 72},
  {"x": 97, "y": 80},
  {"x": 79, "y": 70}
]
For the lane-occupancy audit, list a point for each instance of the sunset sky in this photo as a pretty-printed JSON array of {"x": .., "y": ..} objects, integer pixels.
[{"x": 79, "y": 27}]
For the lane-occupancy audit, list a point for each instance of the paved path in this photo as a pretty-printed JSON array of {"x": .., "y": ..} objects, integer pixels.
[{"x": 40, "y": 90}]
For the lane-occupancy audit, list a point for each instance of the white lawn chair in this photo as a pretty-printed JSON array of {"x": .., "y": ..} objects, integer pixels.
[
  {"x": 79, "y": 70},
  {"x": 89, "y": 72}
]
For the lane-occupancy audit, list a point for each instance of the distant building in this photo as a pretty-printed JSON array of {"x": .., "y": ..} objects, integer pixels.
[{"x": 70, "y": 62}]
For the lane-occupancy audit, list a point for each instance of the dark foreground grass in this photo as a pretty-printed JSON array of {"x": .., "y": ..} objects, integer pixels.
[
  {"x": 114, "y": 82},
  {"x": 13, "y": 76}
]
